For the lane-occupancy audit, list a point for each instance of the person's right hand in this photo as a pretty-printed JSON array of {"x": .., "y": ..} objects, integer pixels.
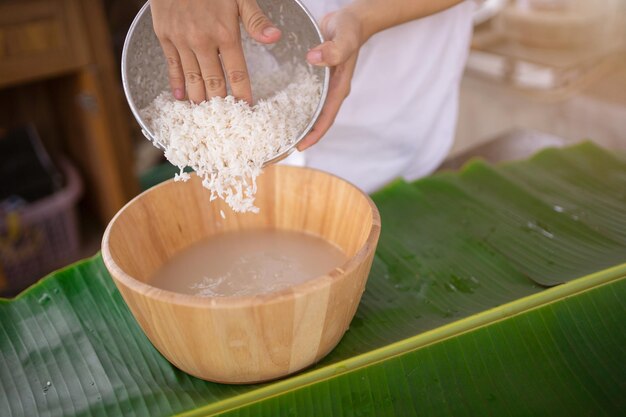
[{"x": 202, "y": 44}]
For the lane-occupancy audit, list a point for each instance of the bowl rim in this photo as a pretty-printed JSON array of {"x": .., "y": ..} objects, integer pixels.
[
  {"x": 147, "y": 131},
  {"x": 306, "y": 287}
]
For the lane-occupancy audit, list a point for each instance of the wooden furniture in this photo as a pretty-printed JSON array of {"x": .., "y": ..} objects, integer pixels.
[
  {"x": 574, "y": 23},
  {"x": 541, "y": 59},
  {"x": 57, "y": 68},
  {"x": 253, "y": 338}
]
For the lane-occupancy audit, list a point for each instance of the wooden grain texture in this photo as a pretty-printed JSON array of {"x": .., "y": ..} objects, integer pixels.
[
  {"x": 101, "y": 149},
  {"x": 254, "y": 338},
  {"x": 40, "y": 39},
  {"x": 115, "y": 116},
  {"x": 65, "y": 46}
]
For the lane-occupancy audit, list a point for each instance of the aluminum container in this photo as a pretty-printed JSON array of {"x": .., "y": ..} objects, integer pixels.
[{"x": 144, "y": 68}]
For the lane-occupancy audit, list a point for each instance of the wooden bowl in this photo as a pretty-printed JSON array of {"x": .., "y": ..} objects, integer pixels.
[{"x": 252, "y": 338}]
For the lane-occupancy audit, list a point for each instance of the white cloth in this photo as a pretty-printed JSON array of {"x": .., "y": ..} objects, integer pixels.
[{"x": 400, "y": 117}]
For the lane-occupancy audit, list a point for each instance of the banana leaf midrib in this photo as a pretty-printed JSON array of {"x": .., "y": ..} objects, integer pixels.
[{"x": 467, "y": 324}]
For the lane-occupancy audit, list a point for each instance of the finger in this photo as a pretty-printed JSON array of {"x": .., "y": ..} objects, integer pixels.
[
  {"x": 330, "y": 53},
  {"x": 212, "y": 73},
  {"x": 257, "y": 24},
  {"x": 338, "y": 90},
  {"x": 343, "y": 40},
  {"x": 236, "y": 72},
  {"x": 194, "y": 84},
  {"x": 174, "y": 69},
  {"x": 327, "y": 116},
  {"x": 323, "y": 123}
]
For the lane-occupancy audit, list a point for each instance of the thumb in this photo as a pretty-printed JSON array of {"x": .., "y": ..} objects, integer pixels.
[
  {"x": 343, "y": 42},
  {"x": 258, "y": 26},
  {"x": 329, "y": 54}
]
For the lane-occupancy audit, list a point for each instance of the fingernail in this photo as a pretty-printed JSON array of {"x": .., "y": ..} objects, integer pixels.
[
  {"x": 179, "y": 94},
  {"x": 314, "y": 57},
  {"x": 270, "y": 31}
]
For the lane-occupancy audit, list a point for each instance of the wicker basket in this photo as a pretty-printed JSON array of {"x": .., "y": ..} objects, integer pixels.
[{"x": 40, "y": 237}]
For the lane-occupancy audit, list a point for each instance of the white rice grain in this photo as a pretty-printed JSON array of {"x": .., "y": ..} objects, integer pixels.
[{"x": 226, "y": 141}]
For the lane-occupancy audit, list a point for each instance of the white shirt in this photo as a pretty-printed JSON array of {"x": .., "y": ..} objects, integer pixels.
[{"x": 400, "y": 117}]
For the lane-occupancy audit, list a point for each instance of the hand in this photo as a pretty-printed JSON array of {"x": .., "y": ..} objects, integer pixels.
[
  {"x": 201, "y": 37},
  {"x": 344, "y": 33}
]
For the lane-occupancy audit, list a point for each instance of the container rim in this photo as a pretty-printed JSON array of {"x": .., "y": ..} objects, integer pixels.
[
  {"x": 307, "y": 287},
  {"x": 147, "y": 131}
]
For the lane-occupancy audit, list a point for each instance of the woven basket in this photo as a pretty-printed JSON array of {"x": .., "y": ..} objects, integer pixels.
[{"x": 40, "y": 237}]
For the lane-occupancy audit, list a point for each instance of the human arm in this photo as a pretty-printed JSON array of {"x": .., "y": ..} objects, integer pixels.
[{"x": 346, "y": 30}]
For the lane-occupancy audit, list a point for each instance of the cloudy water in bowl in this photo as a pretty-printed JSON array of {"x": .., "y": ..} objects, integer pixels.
[{"x": 247, "y": 263}]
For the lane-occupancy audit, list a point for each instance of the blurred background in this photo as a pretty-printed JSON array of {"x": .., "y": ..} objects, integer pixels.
[{"x": 540, "y": 73}]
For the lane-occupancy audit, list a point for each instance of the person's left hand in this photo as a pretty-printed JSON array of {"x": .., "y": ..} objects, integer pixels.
[{"x": 344, "y": 33}]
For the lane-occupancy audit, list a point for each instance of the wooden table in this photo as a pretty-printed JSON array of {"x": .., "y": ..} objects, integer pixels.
[{"x": 57, "y": 69}]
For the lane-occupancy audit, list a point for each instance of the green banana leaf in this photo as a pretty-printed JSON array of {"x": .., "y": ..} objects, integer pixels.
[
  {"x": 563, "y": 359},
  {"x": 494, "y": 291}
]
